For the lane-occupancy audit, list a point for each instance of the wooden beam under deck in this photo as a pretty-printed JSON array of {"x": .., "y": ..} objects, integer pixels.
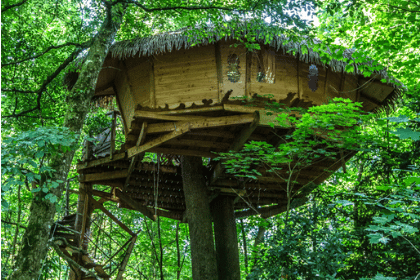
[
  {"x": 181, "y": 129},
  {"x": 205, "y": 123},
  {"x": 100, "y": 161}
]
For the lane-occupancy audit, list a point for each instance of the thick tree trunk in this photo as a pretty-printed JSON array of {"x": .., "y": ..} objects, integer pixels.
[
  {"x": 226, "y": 238},
  {"x": 199, "y": 219},
  {"x": 35, "y": 240}
]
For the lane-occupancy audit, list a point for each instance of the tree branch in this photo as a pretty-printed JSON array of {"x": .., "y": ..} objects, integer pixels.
[
  {"x": 407, "y": 10},
  {"x": 4, "y": 9},
  {"x": 11, "y": 223},
  {"x": 44, "y": 52},
  {"x": 47, "y": 81},
  {"x": 189, "y": 8}
]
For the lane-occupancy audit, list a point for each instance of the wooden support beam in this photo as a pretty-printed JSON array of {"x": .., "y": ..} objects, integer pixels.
[
  {"x": 198, "y": 143},
  {"x": 144, "y": 166},
  {"x": 236, "y": 145},
  {"x": 87, "y": 150},
  {"x": 158, "y": 116},
  {"x": 126, "y": 258},
  {"x": 86, "y": 215},
  {"x": 135, "y": 205},
  {"x": 249, "y": 109},
  {"x": 113, "y": 134},
  {"x": 192, "y": 110},
  {"x": 213, "y": 133},
  {"x": 179, "y": 130},
  {"x": 205, "y": 123},
  {"x": 101, "y": 161},
  {"x": 104, "y": 195},
  {"x": 103, "y": 176},
  {"x": 109, "y": 214},
  {"x": 134, "y": 160},
  {"x": 183, "y": 152}
]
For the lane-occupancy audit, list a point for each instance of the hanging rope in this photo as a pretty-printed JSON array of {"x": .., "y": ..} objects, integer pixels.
[{"x": 156, "y": 182}]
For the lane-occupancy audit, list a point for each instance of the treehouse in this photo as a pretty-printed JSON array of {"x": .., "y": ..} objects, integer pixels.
[{"x": 183, "y": 101}]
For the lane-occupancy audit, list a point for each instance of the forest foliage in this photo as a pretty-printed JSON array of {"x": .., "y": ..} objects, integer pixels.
[{"x": 362, "y": 223}]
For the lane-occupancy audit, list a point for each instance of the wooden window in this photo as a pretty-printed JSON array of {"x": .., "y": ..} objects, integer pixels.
[
  {"x": 313, "y": 77},
  {"x": 266, "y": 66},
  {"x": 233, "y": 68}
]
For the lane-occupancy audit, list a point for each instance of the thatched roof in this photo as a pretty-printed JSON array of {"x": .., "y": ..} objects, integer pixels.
[{"x": 185, "y": 39}]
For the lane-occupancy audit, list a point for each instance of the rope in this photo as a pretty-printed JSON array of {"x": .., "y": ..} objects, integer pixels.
[{"x": 157, "y": 183}]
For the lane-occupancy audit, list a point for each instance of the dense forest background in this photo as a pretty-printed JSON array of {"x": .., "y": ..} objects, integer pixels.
[{"x": 362, "y": 223}]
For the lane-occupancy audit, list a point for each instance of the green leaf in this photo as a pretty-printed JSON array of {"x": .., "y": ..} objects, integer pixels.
[
  {"x": 4, "y": 204},
  {"x": 405, "y": 133},
  {"x": 39, "y": 154}
]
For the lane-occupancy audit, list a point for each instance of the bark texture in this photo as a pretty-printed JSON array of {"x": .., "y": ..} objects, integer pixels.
[
  {"x": 35, "y": 242},
  {"x": 226, "y": 238},
  {"x": 199, "y": 219}
]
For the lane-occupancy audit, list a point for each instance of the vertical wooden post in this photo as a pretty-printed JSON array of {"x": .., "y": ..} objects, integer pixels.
[
  {"x": 199, "y": 219},
  {"x": 152, "y": 84},
  {"x": 226, "y": 238},
  {"x": 87, "y": 150},
  {"x": 113, "y": 127},
  {"x": 82, "y": 224}
]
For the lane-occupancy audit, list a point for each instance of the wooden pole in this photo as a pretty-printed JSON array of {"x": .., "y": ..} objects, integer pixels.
[
  {"x": 113, "y": 134},
  {"x": 226, "y": 238},
  {"x": 82, "y": 225},
  {"x": 199, "y": 219}
]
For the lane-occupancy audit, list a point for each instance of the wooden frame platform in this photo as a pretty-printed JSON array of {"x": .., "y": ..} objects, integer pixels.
[{"x": 174, "y": 133}]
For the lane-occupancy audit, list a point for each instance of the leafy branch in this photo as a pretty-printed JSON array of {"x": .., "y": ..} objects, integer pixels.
[
  {"x": 188, "y": 8},
  {"x": 43, "y": 87},
  {"x": 6, "y": 8},
  {"x": 83, "y": 45}
]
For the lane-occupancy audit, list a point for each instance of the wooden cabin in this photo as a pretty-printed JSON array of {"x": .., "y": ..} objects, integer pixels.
[{"x": 177, "y": 99}]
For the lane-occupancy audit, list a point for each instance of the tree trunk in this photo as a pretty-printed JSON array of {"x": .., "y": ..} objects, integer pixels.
[
  {"x": 244, "y": 246},
  {"x": 203, "y": 257},
  {"x": 178, "y": 253},
  {"x": 227, "y": 252},
  {"x": 255, "y": 252},
  {"x": 35, "y": 245}
]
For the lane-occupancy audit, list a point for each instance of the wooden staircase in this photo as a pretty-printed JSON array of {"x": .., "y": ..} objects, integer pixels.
[{"x": 66, "y": 238}]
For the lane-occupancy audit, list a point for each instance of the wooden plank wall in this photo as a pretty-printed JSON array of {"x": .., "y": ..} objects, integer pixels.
[
  {"x": 125, "y": 98},
  {"x": 138, "y": 70},
  {"x": 186, "y": 76}
]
